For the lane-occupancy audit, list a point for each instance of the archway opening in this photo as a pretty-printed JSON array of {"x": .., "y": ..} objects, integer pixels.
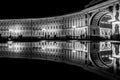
[
  {"x": 105, "y": 26},
  {"x": 100, "y": 25}
]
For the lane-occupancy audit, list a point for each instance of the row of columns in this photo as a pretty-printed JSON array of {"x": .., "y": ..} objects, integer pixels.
[
  {"x": 74, "y": 26},
  {"x": 70, "y": 50},
  {"x": 69, "y": 27}
]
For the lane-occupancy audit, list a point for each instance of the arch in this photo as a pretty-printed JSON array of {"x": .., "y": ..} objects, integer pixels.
[
  {"x": 95, "y": 18},
  {"x": 95, "y": 56},
  {"x": 96, "y": 60},
  {"x": 105, "y": 59},
  {"x": 94, "y": 22},
  {"x": 104, "y": 21}
]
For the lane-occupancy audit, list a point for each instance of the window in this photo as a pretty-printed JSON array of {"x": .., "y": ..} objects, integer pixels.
[
  {"x": 94, "y": 32},
  {"x": 81, "y": 21},
  {"x": 86, "y": 22},
  {"x": 110, "y": 8},
  {"x": 94, "y": 46},
  {"x": 117, "y": 7}
]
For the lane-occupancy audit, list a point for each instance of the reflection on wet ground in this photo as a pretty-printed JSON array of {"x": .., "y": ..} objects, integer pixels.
[{"x": 101, "y": 57}]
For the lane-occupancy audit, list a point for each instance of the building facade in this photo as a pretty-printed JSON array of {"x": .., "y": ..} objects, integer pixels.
[{"x": 101, "y": 20}]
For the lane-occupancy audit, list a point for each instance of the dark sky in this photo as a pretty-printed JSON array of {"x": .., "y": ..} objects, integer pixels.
[{"x": 40, "y": 8}]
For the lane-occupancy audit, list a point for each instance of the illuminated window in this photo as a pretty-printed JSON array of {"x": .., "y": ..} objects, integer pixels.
[
  {"x": 15, "y": 30},
  {"x": 15, "y": 47}
]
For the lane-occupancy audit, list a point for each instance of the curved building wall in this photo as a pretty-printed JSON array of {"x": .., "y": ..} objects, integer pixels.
[{"x": 80, "y": 25}]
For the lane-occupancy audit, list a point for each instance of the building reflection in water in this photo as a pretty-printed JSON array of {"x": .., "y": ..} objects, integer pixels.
[{"x": 99, "y": 57}]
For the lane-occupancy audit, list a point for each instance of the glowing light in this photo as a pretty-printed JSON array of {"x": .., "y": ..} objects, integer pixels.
[
  {"x": 14, "y": 47},
  {"x": 43, "y": 29},
  {"x": 73, "y": 51},
  {"x": 73, "y": 26},
  {"x": 15, "y": 29},
  {"x": 105, "y": 46}
]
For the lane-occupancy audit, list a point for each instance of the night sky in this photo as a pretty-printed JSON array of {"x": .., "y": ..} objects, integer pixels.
[{"x": 40, "y": 8}]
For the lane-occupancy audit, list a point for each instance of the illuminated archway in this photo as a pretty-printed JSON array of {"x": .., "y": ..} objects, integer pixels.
[
  {"x": 97, "y": 61},
  {"x": 97, "y": 16},
  {"x": 98, "y": 20},
  {"x": 105, "y": 26},
  {"x": 104, "y": 21}
]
